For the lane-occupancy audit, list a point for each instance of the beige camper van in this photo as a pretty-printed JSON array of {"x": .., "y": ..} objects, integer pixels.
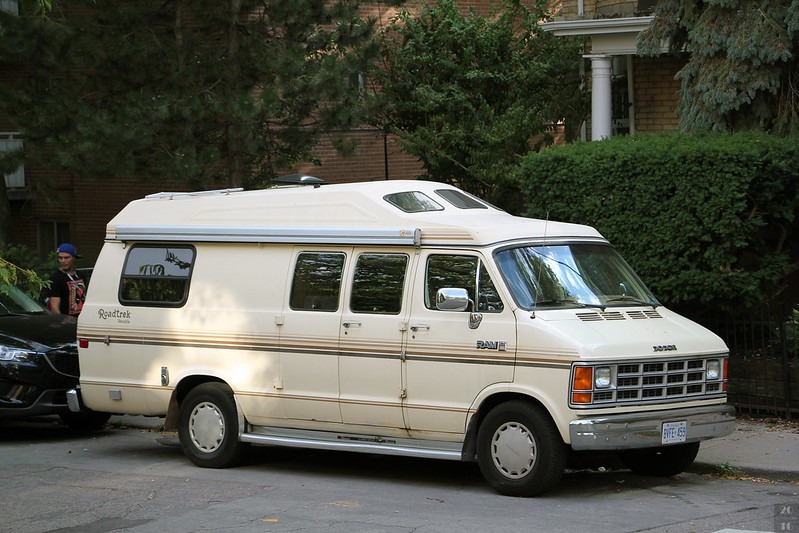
[{"x": 392, "y": 317}]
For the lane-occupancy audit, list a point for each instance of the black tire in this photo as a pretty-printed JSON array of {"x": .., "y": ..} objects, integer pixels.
[
  {"x": 665, "y": 461},
  {"x": 85, "y": 420},
  {"x": 519, "y": 450},
  {"x": 208, "y": 427}
]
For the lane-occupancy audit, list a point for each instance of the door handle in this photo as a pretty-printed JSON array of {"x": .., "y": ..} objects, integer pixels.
[
  {"x": 417, "y": 327},
  {"x": 351, "y": 324}
]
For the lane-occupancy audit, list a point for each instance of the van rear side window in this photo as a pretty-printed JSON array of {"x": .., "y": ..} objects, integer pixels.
[
  {"x": 317, "y": 281},
  {"x": 157, "y": 275},
  {"x": 378, "y": 283}
]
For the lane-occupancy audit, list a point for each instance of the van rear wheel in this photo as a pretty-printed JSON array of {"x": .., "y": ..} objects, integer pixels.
[
  {"x": 208, "y": 426},
  {"x": 519, "y": 450}
]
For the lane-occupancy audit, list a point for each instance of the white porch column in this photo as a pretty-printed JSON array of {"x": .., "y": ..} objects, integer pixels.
[{"x": 601, "y": 106}]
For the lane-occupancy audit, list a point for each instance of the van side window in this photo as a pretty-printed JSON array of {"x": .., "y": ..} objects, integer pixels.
[
  {"x": 156, "y": 275},
  {"x": 377, "y": 283},
  {"x": 461, "y": 272},
  {"x": 413, "y": 202},
  {"x": 317, "y": 281}
]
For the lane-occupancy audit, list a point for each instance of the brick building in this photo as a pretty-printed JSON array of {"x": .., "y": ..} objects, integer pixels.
[
  {"x": 629, "y": 94},
  {"x": 77, "y": 208},
  {"x": 637, "y": 94}
]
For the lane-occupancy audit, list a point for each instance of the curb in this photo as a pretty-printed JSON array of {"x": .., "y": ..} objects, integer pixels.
[{"x": 742, "y": 472}]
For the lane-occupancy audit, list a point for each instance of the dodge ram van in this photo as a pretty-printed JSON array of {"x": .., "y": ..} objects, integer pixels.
[{"x": 392, "y": 317}]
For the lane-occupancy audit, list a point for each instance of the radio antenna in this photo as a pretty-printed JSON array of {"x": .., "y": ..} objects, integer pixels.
[{"x": 538, "y": 277}]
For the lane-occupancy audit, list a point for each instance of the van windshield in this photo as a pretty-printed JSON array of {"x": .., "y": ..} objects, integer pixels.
[{"x": 571, "y": 275}]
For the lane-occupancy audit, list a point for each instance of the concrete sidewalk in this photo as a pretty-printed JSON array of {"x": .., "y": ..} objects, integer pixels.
[{"x": 758, "y": 448}]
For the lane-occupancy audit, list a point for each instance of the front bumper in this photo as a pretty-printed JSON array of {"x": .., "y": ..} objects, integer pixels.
[
  {"x": 47, "y": 402},
  {"x": 643, "y": 430}
]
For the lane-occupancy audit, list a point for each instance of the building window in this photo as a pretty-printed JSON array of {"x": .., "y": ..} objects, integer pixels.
[
  {"x": 10, "y": 6},
  {"x": 621, "y": 95},
  {"x": 51, "y": 233},
  {"x": 8, "y": 143}
]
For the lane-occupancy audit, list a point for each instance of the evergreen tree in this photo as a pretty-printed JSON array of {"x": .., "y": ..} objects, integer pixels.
[
  {"x": 469, "y": 95},
  {"x": 743, "y": 66},
  {"x": 205, "y": 92}
]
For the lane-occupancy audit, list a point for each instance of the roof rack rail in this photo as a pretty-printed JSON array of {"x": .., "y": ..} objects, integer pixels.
[
  {"x": 195, "y": 193},
  {"x": 299, "y": 179}
]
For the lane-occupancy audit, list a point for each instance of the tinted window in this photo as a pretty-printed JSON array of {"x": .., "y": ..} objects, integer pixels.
[
  {"x": 377, "y": 283},
  {"x": 317, "y": 281},
  {"x": 413, "y": 202},
  {"x": 462, "y": 272},
  {"x": 460, "y": 199},
  {"x": 157, "y": 275}
]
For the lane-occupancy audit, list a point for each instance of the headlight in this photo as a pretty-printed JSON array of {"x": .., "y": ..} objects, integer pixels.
[
  {"x": 9, "y": 353},
  {"x": 602, "y": 377},
  {"x": 713, "y": 369}
]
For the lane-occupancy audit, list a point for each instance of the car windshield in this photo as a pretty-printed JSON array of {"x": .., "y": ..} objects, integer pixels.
[
  {"x": 571, "y": 275},
  {"x": 15, "y": 302}
]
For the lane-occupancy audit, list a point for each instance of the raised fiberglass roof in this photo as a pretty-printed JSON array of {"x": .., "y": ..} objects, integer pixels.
[{"x": 396, "y": 212}]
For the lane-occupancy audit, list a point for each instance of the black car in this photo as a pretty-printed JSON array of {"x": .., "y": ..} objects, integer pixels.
[{"x": 38, "y": 361}]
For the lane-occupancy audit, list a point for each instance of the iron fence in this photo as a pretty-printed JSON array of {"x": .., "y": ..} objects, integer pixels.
[{"x": 763, "y": 376}]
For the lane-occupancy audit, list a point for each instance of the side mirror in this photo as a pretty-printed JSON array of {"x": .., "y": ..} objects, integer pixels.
[{"x": 451, "y": 299}]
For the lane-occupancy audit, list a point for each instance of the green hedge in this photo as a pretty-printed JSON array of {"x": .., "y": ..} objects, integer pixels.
[{"x": 705, "y": 218}]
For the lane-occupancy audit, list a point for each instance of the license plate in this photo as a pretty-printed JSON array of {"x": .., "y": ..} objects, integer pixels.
[{"x": 673, "y": 432}]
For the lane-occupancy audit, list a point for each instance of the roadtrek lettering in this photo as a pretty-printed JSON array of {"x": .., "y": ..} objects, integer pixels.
[{"x": 116, "y": 313}]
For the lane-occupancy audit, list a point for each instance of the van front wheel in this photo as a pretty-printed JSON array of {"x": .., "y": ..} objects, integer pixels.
[
  {"x": 519, "y": 450},
  {"x": 208, "y": 426}
]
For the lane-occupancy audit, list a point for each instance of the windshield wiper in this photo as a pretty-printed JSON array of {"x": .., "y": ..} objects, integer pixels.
[
  {"x": 632, "y": 300},
  {"x": 569, "y": 301}
]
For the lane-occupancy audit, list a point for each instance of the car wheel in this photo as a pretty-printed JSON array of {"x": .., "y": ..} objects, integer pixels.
[
  {"x": 519, "y": 450},
  {"x": 665, "y": 461},
  {"x": 85, "y": 420},
  {"x": 208, "y": 426}
]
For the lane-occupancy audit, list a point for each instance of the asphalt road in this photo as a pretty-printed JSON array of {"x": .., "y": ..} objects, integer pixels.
[{"x": 137, "y": 480}]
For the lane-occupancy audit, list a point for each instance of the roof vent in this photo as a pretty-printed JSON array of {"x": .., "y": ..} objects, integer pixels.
[{"x": 298, "y": 179}]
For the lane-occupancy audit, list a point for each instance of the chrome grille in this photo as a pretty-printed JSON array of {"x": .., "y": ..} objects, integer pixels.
[{"x": 641, "y": 382}]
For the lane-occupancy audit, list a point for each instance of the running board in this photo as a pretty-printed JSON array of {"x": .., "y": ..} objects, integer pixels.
[{"x": 322, "y": 440}]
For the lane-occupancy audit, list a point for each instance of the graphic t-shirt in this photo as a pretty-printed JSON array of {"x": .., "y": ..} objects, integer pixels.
[{"x": 71, "y": 288}]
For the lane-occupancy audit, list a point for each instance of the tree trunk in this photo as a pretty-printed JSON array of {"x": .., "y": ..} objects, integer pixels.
[{"x": 235, "y": 162}]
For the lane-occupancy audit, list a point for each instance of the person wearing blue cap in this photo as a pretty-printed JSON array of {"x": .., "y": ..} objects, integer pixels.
[{"x": 67, "y": 286}]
